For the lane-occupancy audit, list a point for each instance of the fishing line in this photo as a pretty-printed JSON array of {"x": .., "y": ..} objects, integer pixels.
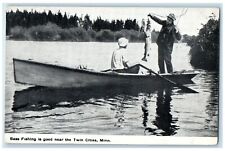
[{"x": 183, "y": 12}]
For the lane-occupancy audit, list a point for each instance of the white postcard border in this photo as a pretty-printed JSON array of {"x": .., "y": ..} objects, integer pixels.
[{"x": 106, "y": 139}]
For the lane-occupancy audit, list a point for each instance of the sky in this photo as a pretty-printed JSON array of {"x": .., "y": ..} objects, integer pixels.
[{"x": 188, "y": 23}]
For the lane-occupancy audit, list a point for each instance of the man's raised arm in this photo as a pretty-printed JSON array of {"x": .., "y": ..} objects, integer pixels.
[{"x": 156, "y": 19}]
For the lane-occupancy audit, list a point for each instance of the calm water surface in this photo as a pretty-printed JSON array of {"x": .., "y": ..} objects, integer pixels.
[{"x": 133, "y": 111}]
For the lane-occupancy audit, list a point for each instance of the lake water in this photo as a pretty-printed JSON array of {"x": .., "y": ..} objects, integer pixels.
[{"x": 161, "y": 113}]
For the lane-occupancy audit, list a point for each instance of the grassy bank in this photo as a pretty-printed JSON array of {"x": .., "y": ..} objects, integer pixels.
[{"x": 52, "y": 32}]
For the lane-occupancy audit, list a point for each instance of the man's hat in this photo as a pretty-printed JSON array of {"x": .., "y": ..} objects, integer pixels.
[
  {"x": 172, "y": 16},
  {"x": 122, "y": 42}
]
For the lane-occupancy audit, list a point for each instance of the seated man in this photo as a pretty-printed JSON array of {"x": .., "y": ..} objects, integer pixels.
[{"x": 119, "y": 62}]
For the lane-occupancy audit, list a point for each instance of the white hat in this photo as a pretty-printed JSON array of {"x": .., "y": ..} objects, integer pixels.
[{"x": 122, "y": 42}]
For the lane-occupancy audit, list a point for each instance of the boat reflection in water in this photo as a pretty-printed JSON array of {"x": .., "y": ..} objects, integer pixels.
[
  {"x": 43, "y": 98},
  {"x": 164, "y": 124},
  {"x": 119, "y": 98}
]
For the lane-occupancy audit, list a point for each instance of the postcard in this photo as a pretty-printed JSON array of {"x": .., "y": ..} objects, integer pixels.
[{"x": 93, "y": 74}]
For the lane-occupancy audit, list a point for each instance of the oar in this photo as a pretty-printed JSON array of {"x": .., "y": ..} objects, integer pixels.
[
  {"x": 130, "y": 66},
  {"x": 186, "y": 89},
  {"x": 106, "y": 70}
]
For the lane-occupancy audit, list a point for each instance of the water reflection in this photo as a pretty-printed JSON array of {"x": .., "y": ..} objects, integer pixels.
[
  {"x": 120, "y": 98},
  {"x": 145, "y": 112},
  {"x": 120, "y": 110},
  {"x": 212, "y": 103},
  {"x": 42, "y": 98},
  {"x": 164, "y": 124}
]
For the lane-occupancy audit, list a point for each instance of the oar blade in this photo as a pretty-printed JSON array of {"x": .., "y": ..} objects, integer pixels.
[
  {"x": 187, "y": 89},
  {"x": 182, "y": 87}
]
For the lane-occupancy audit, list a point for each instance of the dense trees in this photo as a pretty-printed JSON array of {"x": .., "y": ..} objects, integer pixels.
[
  {"x": 27, "y": 19},
  {"x": 42, "y": 26},
  {"x": 205, "y": 47}
]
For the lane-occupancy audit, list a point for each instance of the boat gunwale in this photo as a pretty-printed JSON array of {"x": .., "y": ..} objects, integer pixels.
[{"x": 96, "y": 72}]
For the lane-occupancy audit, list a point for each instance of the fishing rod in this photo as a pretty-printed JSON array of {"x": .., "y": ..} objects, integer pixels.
[{"x": 183, "y": 12}]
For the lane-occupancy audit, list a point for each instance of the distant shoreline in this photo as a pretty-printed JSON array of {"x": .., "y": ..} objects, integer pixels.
[{"x": 52, "y": 32}]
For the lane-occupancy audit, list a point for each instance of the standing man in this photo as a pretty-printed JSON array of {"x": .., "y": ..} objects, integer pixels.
[{"x": 167, "y": 35}]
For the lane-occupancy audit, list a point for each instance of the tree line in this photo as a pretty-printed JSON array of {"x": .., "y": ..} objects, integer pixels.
[
  {"x": 47, "y": 26},
  {"x": 27, "y": 19}
]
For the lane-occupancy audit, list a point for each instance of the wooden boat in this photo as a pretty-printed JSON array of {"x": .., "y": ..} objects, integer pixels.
[{"x": 40, "y": 74}]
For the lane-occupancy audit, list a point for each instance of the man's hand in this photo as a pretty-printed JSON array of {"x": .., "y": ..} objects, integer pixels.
[
  {"x": 177, "y": 30},
  {"x": 177, "y": 33},
  {"x": 150, "y": 15}
]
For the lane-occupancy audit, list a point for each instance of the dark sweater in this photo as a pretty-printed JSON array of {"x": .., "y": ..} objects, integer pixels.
[{"x": 167, "y": 34}]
